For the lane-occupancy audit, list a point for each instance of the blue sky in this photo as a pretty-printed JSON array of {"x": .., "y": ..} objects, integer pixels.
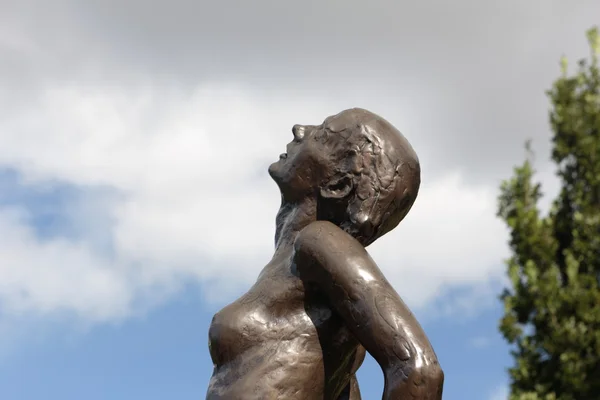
[
  {"x": 134, "y": 197},
  {"x": 164, "y": 355},
  {"x": 162, "y": 352}
]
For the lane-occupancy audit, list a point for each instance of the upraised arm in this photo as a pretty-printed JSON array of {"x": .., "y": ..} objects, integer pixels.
[{"x": 341, "y": 268}]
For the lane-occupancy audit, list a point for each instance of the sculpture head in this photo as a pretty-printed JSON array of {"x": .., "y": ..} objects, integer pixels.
[{"x": 362, "y": 171}]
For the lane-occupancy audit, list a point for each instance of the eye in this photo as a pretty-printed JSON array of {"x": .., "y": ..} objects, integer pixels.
[{"x": 322, "y": 135}]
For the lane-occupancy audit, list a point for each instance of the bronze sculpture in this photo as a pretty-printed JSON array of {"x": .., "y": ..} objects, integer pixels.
[{"x": 301, "y": 331}]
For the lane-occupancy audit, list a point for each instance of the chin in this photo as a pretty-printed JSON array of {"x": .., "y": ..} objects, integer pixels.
[{"x": 273, "y": 171}]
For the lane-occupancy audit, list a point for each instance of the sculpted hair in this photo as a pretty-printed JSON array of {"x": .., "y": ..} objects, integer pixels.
[{"x": 376, "y": 179}]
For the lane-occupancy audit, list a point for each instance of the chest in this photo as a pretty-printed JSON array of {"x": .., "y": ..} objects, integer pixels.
[{"x": 271, "y": 311}]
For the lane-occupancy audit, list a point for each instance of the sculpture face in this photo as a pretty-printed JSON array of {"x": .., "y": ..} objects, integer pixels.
[
  {"x": 363, "y": 171},
  {"x": 304, "y": 165}
]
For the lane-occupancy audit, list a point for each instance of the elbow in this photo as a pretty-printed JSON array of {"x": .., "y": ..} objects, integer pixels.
[
  {"x": 431, "y": 373},
  {"x": 421, "y": 378},
  {"x": 426, "y": 380}
]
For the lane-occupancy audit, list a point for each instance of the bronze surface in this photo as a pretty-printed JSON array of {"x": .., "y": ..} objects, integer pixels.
[{"x": 301, "y": 331}]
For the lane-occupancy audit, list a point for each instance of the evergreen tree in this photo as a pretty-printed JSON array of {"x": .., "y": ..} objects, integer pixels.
[{"x": 552, "y": 305}]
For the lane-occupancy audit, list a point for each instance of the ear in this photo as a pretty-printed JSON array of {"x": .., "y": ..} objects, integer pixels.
[{"x": 338, "y": 188}]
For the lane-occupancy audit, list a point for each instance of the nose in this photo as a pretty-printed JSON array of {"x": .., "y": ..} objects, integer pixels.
[{"x": 298, "y": 131}]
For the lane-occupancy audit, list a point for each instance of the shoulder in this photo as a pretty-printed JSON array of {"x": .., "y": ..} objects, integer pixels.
[
  {"x": 319, "y": 231},
  {"x": 325, "y": 236},
  {"x": 324, "y": 253}
]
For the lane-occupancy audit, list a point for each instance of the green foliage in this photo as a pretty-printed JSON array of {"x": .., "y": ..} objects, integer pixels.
[{"x": 552, "y": 305}]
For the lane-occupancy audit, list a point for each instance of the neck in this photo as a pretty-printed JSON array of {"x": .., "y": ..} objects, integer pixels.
[{"x": 291, "y": 218}]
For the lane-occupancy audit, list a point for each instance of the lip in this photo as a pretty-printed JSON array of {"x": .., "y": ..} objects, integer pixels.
[{"x": 283, "y": 156}]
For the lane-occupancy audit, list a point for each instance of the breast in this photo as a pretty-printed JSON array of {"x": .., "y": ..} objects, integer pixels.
[
  {"x": 257, "y": 360},
  {"x": 232, "y": 332},
  {"x": 260, "y": 351},
  {"x": 240, "y": 327}
]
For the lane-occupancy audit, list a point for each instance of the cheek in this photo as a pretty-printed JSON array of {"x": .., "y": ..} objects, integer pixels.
[
  {"x": 300, "y": 170},
  {"x": 307, "y": 164},
  {"x": 296, "y": 162}
]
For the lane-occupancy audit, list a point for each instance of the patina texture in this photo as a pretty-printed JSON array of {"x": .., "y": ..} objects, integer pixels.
[{"x": 301, "y": 331}]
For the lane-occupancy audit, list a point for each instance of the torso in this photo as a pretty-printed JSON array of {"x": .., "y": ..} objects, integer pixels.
[{"x": 281, "y": 341}]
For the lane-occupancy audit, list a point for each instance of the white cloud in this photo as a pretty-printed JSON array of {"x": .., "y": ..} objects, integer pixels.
[
  {"x": 450, "y": 238},
  {"x": 188, "y": 161},
  {"x": 56, "y": 275},
  {"x": 197, "y": 203}
]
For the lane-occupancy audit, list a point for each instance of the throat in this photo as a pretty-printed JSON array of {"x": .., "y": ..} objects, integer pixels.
[{"x": 291, "y": 219}]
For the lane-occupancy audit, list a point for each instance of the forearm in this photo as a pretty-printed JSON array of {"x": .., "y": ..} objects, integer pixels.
[
  {"x": 389, "y": 332},
  {"x": 357, "y": 290}
]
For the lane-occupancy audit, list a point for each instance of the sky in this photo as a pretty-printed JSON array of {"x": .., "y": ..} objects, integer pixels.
[{"x": 134, "y": 196}]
